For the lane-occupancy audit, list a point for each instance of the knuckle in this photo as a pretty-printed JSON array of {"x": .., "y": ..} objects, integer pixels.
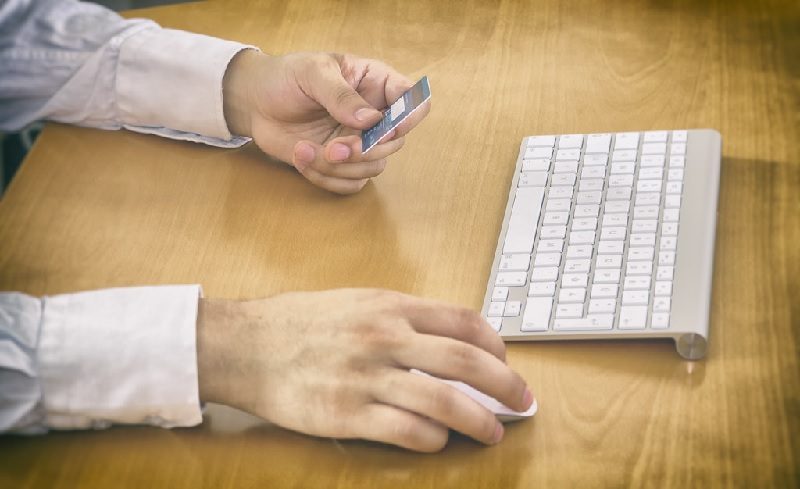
[
  {"x": 463, "y": 356},
  {"x": 443, "y": 400}
]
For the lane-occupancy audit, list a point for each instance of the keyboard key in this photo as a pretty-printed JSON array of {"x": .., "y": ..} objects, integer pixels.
[
  {"x": 643, "y": 239},
  {"x": 511, "y": 279},
  {"x": 512, "y": 308},
  {"x": 571, "y": 141},
  {"x": 544, "y": 274},
  {"x": 648, "y": 198},
  {"x": 538, "y": 164},
  {"x": 670, "y": 215},
  {"x": 595, "y": 160},
  {"x": 575, "y": 280},
  {"x": 532, "y": 179},
  {"x": 495, "y": 322},
  {"x": 635, "y": 297},
  {"x": 644, "y": 226},
  {"x": 652, "y": 161},
  {"x": 524, "y": 217},
  {"x": 589, "y": 323},
  {"x": 515, "y": 262},
  {"x": 674, "y": 187},
  {"x": 677, "y": 149},
  {"x": 584, "y": 223},
  {"x": 547, "y": 260},
  {"x": 568, "y": 154},
  {"x": 620, "y": 181},
  {"x": 672, "y": 201},
  {"x": 663, "y": 288},
  {"x": 602, "y": 305},
  {"x": 675, "y": 174},
  {"x": 637, "y": 283},
  {"x": 579, "y": 251},
  {"x": 558, "y": 205},
  {"x": 563, "y": 179},
  {"x": 661, "y": 304},
  {"x": 639, "y": 268},
  {"x": 574, "y": 295},
  {"x": 619, "y": 193},
  {"x": 541, "y": 141},
  {"x": 538, "y": 152},
  {"x": 648, "y": 186},
  {"x": 549, "y": 232},
  {"x": 615, "y": 220},
  {"x": 626, "y": 168},
  {"x": 627, "y": 140},
  {"x": 669, "y": 229},
  {"x": 632, "y": 317},
  {"x": 677, "y": 161},
  {"x": 598, "y": 143},
  {"x": 578, "y": 265},
  {"x": 654, "y": 148},
  {"x": 581, "y": 237},
  {"x": 610, "y": 247},
  {"x": 550, "y": 245},
  {"x": 537, "y": 314},
  {"x": 569, "y": 310},
  {"x": 618, "y": 206},
  {"x": 589, "y": 197},
  {"x": 664, "y": 272},
  {"x": 604, "y": 291},
  {"x": 646, "y": 211},
  {"x": 613, "y": 233},
  {"x": 586, "y": 185},
  {"x": 546, "y": 289},
  {"x": 587, "y": 210},
  {"x": 562, "y": 192},
  {"x": 668, "y": 243},
  {"x": 679, "y": 136},
  {"x": 660, "y": 320},
  {"x": 654, "y": 173},
  {"x": 500, "y": 294},
  {"x": 598, "y": 171},
  {"x": 666, "y": 258},
  {"x": 655, "y": 137},
  {"x": 496, "y": 309},
  {"x": 555, "y": 218},
  {"x": 644, "y": 253},
  {"x": 565, "y": 166},
  {"x": 606, "y": 276},
  {"x": 609, "y": 261}
]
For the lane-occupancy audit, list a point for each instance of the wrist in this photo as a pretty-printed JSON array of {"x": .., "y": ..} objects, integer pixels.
[
  {"x": 238, "y": 92},
  {"x": 212, "y": 350}
]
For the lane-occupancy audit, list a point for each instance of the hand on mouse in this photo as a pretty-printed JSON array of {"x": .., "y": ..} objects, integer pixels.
[
  {"x": 309, "y": 109},
  {"x": 336, "y": 364}
]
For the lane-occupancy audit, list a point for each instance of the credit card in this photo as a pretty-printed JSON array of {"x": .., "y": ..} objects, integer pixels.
[{"x": 397, "y": 113}]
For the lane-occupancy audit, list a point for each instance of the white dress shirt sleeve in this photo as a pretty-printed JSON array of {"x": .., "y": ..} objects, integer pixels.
[
  {"x": 92, "y": 359},
  {"x": 80, "y": 63}
]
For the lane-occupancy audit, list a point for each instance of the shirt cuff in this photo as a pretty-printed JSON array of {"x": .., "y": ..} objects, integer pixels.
[
  {"x": 125, "y": 355},
  {"x": 168, "y": 78}
]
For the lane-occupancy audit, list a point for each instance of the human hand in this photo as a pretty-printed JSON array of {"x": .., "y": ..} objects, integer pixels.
[
  {"x": 308, "y": 109},
  {"x": 336, "y": 364}
]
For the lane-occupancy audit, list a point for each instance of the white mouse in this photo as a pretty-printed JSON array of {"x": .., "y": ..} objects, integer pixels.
[{"x": 504, "y": 413}]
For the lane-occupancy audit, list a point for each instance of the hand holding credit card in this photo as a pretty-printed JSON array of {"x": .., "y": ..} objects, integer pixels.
[{"x": 403, "y": 107}]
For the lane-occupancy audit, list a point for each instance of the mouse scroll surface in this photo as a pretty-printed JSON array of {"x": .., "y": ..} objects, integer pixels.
[{"x": 503, "y": 412}]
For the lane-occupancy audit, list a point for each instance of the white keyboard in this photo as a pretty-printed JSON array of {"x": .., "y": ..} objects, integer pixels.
[{"x": 609, "y": 236}]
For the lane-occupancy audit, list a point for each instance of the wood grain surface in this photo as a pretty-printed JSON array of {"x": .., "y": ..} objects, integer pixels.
[{"x": 93, "y": 209}]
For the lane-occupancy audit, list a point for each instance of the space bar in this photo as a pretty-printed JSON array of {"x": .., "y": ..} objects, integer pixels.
[{"x": 524, "y": 218}]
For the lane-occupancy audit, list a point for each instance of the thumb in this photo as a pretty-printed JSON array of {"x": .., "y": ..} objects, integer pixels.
[{"x": 341, "y": 100}]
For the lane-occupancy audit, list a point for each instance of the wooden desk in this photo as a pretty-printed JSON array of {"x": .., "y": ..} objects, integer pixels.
[{"x": 96, "y": 209}]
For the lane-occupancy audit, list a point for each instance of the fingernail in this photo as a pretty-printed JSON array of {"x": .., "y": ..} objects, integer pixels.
[
  {"x": 498, "y": 433},
  {"x": 365, "y": 114},
  {"x": 527, "y": 398},
  {"x": 339, "y": 152},
  {"x": 303, "y": 156}
]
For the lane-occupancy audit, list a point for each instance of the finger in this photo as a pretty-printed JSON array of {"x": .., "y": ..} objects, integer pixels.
[
  {"x": 389, "y": 424},
  {"x": 311, "y": 155},
  {"x": 456, "y": 360},
  {"x": 442, "y": 319},
  {"x": 440, "y": 402},
  {"x": 328, "y": 87},
  {"x": 348, "y": 149},
  {"x": 343, "y": 186}
]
